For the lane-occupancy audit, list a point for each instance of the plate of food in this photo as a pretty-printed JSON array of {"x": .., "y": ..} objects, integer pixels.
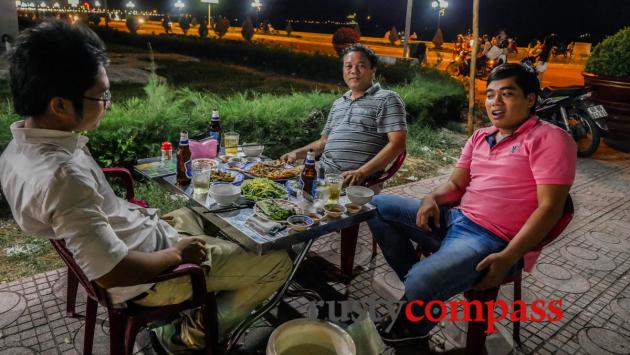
[
  {"x": 276, "y": 210},
  {"x": 261, "y": 189},
  {"x": 225, "y": 176},
  {"x": 275, "y": 170}
]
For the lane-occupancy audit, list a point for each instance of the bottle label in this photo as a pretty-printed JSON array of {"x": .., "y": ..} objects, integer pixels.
[
  {"x": 188, "y": 165},
  {"x": 215, "y": 135}
]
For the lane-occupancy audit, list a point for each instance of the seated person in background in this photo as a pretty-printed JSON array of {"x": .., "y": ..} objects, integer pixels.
[
  {"x": 366, "y": 128},
  {"x": 57, "y": 191},
  {"x": 512, "y": 179}
]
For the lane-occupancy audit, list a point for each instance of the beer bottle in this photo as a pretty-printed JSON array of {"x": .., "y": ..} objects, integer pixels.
[
  {"x": 214, "y": 132},
  {"x": 183, "y": 159},
  {"x": 309, "y": 174}
]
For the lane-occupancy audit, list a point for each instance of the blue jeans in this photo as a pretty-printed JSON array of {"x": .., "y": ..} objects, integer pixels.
[{"x": 458, "y": 246}]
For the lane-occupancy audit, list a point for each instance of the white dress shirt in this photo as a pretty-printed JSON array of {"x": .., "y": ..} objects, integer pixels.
[{"x": 56, "y": 190}]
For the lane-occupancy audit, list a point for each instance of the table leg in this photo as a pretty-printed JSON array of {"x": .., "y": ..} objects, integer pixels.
[
  {"x": 349, "y": 238},
  {"x": 271, "y": 304}
]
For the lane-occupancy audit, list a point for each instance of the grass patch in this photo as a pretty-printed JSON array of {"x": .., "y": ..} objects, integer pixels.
[
  {"x": 225, "y": 80},
  {"x": 42, "y": 258}
]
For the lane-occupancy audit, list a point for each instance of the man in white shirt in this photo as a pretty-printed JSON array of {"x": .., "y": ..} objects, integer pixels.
[{"x": 57, "y": 191}]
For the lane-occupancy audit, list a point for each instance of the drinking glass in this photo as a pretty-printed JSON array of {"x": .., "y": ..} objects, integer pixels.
[
  {"x": 201, "y": 172},
  {"x": 230, "y": 140},
  {"x": 321, "y": 195},
  {"x": 334, "y": 183},
  {"x": 295, "y": 186}
]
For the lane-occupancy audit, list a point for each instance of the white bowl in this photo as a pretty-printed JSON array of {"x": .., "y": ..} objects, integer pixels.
[
  {"x": 252, "y": 149},
  {"x": 304, "y": 332},
  {"x": 359, "y": 194},
  {"x": 225, "y": 194}
]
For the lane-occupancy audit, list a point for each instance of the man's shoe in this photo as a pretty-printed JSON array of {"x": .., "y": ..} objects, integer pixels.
[{"x": 402, "y": 331}]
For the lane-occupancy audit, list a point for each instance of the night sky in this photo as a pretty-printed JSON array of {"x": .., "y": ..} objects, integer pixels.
[{"x": 525, "y": 19}]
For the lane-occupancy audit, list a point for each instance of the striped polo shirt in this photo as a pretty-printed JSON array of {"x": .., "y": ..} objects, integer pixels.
[{"x": 357, "y": 129}]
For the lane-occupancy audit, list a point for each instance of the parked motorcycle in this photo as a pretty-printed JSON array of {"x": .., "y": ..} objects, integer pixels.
[
  {"x": 563, "y": 50},
  {"x": 571, "y": 109},
  {"x": 461, "y": 64}
]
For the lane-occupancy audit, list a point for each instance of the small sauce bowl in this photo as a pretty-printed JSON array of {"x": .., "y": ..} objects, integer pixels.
[
  {"x": 353, "y": 208},
  {"x": 316, "y": 217},
  {"x": 334, "y": 210},
  {"x": 300, "y": 223}
]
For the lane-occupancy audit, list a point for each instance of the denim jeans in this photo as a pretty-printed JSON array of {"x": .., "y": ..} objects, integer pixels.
[{"x": 457, "y": 247}]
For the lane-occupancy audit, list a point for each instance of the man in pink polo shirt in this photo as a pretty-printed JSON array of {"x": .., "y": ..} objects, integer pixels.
[{"x": 509, "y": 188}]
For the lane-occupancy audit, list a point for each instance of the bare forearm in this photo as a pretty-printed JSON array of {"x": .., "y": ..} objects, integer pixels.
[
  {"x": 384, "y": 157},
  {"x": 143, "y": 267},
  {"x": 447, "y": 193},
  {"x": 533, "y": 231},
  {"x": 452, "y": 191}
]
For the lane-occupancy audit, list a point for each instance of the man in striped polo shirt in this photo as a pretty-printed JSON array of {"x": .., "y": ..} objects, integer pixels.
[{"x": 366, "y": 128}]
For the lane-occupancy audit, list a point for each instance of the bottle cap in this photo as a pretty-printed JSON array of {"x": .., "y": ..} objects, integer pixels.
[{"x": 167, "y": 146}]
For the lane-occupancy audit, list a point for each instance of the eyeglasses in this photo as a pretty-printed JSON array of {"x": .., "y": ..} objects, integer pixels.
[{"x": 106, "y": 98}]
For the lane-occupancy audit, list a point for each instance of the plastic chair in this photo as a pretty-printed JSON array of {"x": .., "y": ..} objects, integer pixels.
[
  {"x": 350, "y": 235},
  {"x": 476, "y": 335},
  {"x": 125, "y": 323}
]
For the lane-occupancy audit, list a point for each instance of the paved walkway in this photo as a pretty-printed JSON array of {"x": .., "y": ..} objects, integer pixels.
[{"x": 587, "y": 268}]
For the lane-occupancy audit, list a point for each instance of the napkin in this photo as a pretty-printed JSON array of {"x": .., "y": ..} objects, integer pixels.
[{"x": 262, "y": 226}]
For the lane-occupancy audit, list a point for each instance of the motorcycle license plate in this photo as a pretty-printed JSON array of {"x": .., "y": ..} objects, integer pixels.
[{"x": 597, "y": 111}]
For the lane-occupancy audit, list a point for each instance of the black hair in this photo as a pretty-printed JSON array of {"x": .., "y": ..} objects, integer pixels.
[
  {"x": 54, "y": 59},
  {"x": 524, "y": 77},
  {"x": 369, "y": 53}
]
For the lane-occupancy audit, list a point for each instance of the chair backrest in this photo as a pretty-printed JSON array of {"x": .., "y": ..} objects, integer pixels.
[
  {"x": 562, "y": 223},
  {"x": 127, "y": 181},
  {"x": 391, "y": 171}
]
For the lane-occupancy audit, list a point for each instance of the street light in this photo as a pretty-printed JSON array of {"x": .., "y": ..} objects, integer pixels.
[
  {"x": 179, "y": 5},
  {"x": 130, "y": 5},
  {"x": 42, "y": 4},
  {"x": 56, "y": 5},
  {"x": 441, "y": 6},
  {"x": 97, "y": 4},
  {"x": 257, "y": 4}
]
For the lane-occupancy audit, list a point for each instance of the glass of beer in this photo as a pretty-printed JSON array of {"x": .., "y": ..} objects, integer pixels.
[
  {"x": 201, "y": 171},
  {"x": 334, "y": 182},
  {"x": 230, "y": 140}
]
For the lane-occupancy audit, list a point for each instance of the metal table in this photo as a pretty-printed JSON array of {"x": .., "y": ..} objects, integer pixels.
[{"x": 232, "y": 225}]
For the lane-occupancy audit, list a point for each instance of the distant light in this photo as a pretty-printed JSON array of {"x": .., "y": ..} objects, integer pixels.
[
  {"x": 97, "y": 4},
  {"x": 179, "y": 4},
  {"x": 18, "y": 3},
  {"x": 130, "y": 5},
  {"x": 56, "y": 5},
  {"x": 434, "y": 4},
  {"x": 141, "y": 20},
  {"x": 43, "y": 4}
]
